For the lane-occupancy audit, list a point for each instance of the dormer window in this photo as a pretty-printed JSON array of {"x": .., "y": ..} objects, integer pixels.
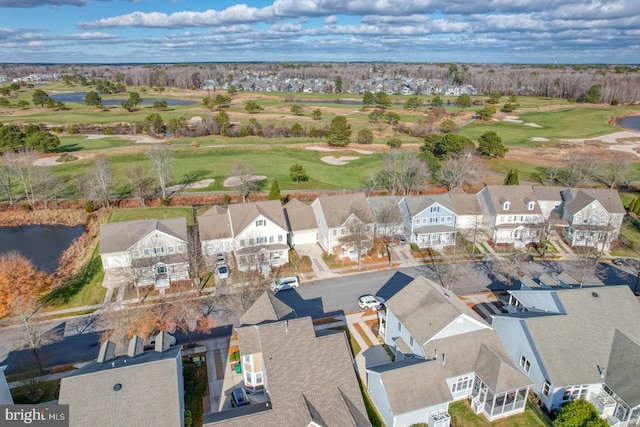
[
  {"x": 506, "y": 205},
  {"x": 531, "y": 205}
]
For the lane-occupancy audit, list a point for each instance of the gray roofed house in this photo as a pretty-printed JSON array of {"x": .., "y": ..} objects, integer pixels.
[
  {"x": 429, "y": 220},
  {"x": 594, "y": 216},
  {"x": 467, "y": 208},
  {"x": 145, "y": 389},
  {"x": 388, "y": 215},
  {"x": 444, "y": 352},
  {"x": 306, "y": 378},
  {"x": 243, "y": 215},
  {"x": 267, "y": 308},
  {"x": 301, "y": 222},
  {"x": 147, "y": 252},
  {"x": 214, "y": 229},
  {"x": 335, "y": 214},
  {"x": 577, "y": 343}
]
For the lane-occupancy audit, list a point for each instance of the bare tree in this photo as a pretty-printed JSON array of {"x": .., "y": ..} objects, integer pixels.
[
  {"x": 619, "y": 171},
  {"x": 47, "y": 186},
  {"x": 100, "y": 181},
  {"x": 389, "y": 222},
  {"x": 579, "y": 171},
  {"x": 458, "y": 171},
  {"x": 22, "y": 165},
  {"x": 6, "y": 179},
  {"x": 161, "y": 159},
  {"x": 401, "y": 171},
  {"x": 358, "y": 234},
  {"x": 550, "y": 175},
  {"x": 246, "y": 179},
  {"x": 140, "y": 183}
]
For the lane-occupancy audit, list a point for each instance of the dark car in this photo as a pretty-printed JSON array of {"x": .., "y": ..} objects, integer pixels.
[
  {"x": 239, "y": 397},
  {"x": 619, "y": 262}
]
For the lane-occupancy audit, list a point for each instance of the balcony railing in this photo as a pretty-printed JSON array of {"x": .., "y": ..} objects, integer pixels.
[
  {"x": 440, "y": 418},
  {"x": 603, "y": 403}
]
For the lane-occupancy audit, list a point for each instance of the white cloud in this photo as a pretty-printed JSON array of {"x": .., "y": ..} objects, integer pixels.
[{"x": 331, "y": 20}]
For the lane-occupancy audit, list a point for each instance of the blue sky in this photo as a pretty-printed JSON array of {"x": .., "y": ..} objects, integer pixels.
[{"x": 488, "y": 31}]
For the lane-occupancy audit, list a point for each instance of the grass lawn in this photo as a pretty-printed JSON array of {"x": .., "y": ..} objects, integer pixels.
[
  {"x": 120, "y": 215},
  {"x": 83, "y": 288},
  {"x": 37, "y": 392},
  {"x": 630, "y": 238},
  {"x": 73, "y": 143},
  {"x": 463, "y": 416}
]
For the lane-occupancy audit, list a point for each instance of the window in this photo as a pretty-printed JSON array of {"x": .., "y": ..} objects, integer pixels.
[
  {"x": 399, "y": 327},
  {"x": 433, "y": 220},
  {"x": 261, "y": 222},
  {"x": 435, "y": 208},
  {"x": 442, "y": 219},
  {"x": 506, "y": 206},
  {"x": 531, "y": 205},
  {"x": 546, "y": 387},
  {"x": 524, "y": 363},
  {"x": 181, "y": 248},
  {"x": 158, "y": 250},
  {"x": 343, "y": 231},
  {"x": 448, "y": 219},
  {"x": 162, "y": 269},
  {"x": 335, "y": 232},
  {"x": 411, "y": 342},
  {"x": 270, "y": 239},
  {"x": 280, "y": 238},
  {"x": 261, "y": 240},
  {"x": 462, "y": 383},
  {"x": 417, "y": 221},
  {"x": 136, "y": 253},
  {"x": 258, "y": 378},
  {"x": 241, "y": 242},
  {"x": 147, "y": 251},
  {"x": 170, "y": 249}
]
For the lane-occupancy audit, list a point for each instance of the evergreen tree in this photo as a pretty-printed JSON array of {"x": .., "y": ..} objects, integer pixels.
[
  {"x": 512, "y": 178},
  {"x": 274, "y": 193},
  {"x": 339, "y": 131},
  {"x": 490, "y": 144}
]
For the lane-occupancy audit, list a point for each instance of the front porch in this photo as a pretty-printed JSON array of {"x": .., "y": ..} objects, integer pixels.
[{"x": 261, "y": 257}]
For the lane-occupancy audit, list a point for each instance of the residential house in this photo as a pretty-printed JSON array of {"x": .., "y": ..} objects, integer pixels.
[
  {"x": 388, "y": 215},
  {"x": 467, "y": 208},
  {"x": 301, "y": 222},
  {"x": 255, "y": 232},
  {"x": 345, "y": 223},
  {"x": 296, "y": 376},
  {"x": 5, "y": 393},
  {"x": 139, "y": 388},
  {"x": 148, "y": 252},
  {"x": 444, "y": 352},
  {"x": 430, "y": 220},
  {"x": 512, "y": 214},
  {"x": 578, "y": 343},
  {"x": 594, "y": 215}
]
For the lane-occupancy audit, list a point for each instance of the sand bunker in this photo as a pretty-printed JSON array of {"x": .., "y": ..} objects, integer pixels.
[
  {"x": 338, "y": 161},
  {"x": 135, "y": 138},
  {"x": 234, "y": 181},
  {"x": 327, "y": 149},
  {"x": 539, "y": 139},
  {"x": 200, "y": 184},
  {"x": 533, "y": 125},
  {"x": 53, "y": 161}
]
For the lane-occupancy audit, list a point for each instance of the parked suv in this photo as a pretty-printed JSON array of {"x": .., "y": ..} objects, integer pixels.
[{"x": 284, "y": 283}]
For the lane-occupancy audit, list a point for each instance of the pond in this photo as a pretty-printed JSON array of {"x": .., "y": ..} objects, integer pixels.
[
  {"x": 630, "y": 122},
  {"x": 42, "y": 244},
  {"x": 79, "y": 98}
]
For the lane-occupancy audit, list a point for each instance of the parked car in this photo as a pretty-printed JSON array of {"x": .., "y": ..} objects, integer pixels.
[
  {"x": 370, "y": 302},
  {"x": 223, "y": 271},
  {"x": 220, "y": 258},
  {"x": 284, "y": 283},
  {"x": 239, "y": 397},
  {"x": 400, "y": 239},
  {"x": 619, "y": 262}
]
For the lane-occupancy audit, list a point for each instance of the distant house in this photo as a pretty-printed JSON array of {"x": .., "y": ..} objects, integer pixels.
[
  {"x": 578, "y": 343},
  {"x": 152, "y": 252},
  {"x": 301, "y": 222},
  {"x": 298, "y": 376},
  {"x": 139, "y": 388},
  {"x": 342, "y": 219},
  {"x": 512, "y": 214},
  {"x": 444, "y": 352},
  {"x": 430, "y": 220},
  {"x": 594, "y": 214}
]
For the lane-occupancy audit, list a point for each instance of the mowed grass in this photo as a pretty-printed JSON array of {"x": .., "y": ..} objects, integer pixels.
[
  {"x": 121, "y": 215},
  {"x": 268, "y": 160},
  {"x": 463, "y": 416}
]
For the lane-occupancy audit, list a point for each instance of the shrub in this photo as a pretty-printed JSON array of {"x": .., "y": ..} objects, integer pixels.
[
  {"x": 394, "y": 143},
  {"x": 89, "y": 206},
  {"x": 194, "y": 144},
  {"x": 365, "y": 136}
]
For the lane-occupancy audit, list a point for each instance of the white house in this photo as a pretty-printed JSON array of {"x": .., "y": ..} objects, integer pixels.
[
  {"x": 578, "y": 343},
  {"x": 388, "y": 215},
  {"x": 512, "y": 214},
  {"x": 444, "y": 352},
  {"x": 303, "y": 227},
  {"x": 342, "y": 220},
  {"x": 594, "y": 214},
  {"x": 149, "y": 252},
  {"x": 214, "y": 227},
  {"x": 467, "y": 208}
]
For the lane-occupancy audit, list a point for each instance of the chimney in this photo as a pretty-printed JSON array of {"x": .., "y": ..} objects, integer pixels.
[
  {"x": 436, "y": 354},
  {"x": 444, "y": 359},
  {"x": 107, "y": 352},
  {"x": 286, "y": 326},
  {"x": 162, "y": 342},
  {"x": 136, "y": 346}
]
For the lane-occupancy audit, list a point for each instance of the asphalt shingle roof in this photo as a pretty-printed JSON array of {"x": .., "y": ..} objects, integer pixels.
[
  {"x": 243, "y": 214},
  {"x": 338, "y": 208},
  {"x": 121, "y": 236},
  {"x": 300, "y": 216}
]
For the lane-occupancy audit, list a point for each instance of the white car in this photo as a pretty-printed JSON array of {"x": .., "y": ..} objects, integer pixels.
[
  {"x": 220, "y": 258},
  {"x": 284, "y": 283},
  {"x": 223, "y": 271},
  {"x": 370, "y": 302}
]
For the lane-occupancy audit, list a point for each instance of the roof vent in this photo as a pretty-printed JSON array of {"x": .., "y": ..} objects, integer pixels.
[
  {"x": 594, "y": 294},
  {"x": 117, "y": 387}
]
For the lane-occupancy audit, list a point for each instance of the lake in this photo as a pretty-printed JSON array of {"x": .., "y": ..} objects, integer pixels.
[
  {"x": 79, "y": 98},
  {"x": 42, "y": 244},
  {"x": 630, "y": 122}
]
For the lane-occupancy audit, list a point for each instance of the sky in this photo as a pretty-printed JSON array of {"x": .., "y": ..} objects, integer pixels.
[{"x": 163, "y": 31}]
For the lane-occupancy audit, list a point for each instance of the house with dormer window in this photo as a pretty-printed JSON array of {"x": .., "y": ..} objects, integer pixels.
[
  {"x": 594, "y": 215},
  {"x": 577, "y": 344},
  {"x": 443, "y": 352},
  {"x": 512, "y": 214},
  {"x": 345, "y": 223},
  {"x": 429, "y": 220},
  {"x": 147, "y": 252}
]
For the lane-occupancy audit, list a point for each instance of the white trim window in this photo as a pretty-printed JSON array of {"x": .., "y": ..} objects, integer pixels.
[
  {"x": 524, "y": 363},
  {"x": 546, "y": 387},
  {"x": 462, "y": 383}
]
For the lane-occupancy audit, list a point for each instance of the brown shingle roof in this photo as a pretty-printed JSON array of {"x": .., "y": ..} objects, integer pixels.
[
  {"x": 338, "y": 208},
  {"x": 214, "y": 224},
  {"x": 300, "y": 216},
  {"x": 121, "y": 236},
  {"x": 243, "y": 214},
  {"x": 465, "y": 204}
]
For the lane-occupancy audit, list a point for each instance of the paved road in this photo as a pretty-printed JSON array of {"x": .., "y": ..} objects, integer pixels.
[{"x": 68, "y": 344}]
